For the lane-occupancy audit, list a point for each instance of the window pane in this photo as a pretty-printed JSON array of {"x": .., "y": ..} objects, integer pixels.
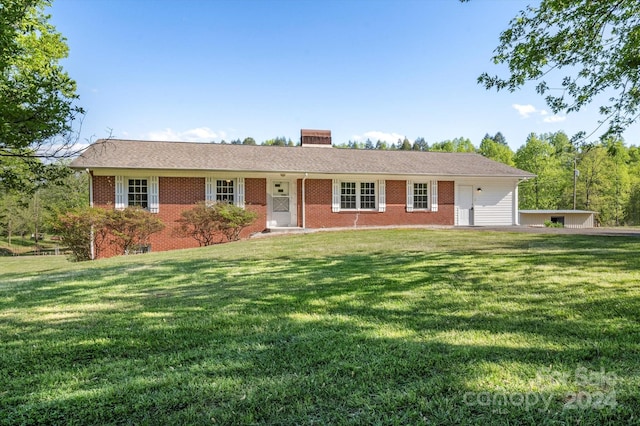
[
  {"x": 138, "y": 193},
  {"x": 420, "y": 195},
  {"x": 224, "y": 190},
  {"x": 367, "y": 195},
  {"x": 347, "y": 195}
]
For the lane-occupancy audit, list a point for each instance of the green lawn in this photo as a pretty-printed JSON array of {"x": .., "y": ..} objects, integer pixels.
[
  {"x": 356, "y": 327},
  {"x": 24, "y": 245}
]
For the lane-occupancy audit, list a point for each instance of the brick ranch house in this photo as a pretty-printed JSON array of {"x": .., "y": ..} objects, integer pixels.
[{"x": 310, "y": 186}]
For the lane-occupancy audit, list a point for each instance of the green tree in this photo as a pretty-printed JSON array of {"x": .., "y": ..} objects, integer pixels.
[
  {"x": 381, "y": 145},
  {"x": 567, "y": 155},
  {"x": 583, "y": 47},
  {"x": 420, "y": 145},
  {"x": 618, "y": 195},
  {"x": 405, "y": 145},
  {"x": 279, "y": 141},
  {"x": 368, "y": 144},
  {"x": 499, "y": 138},
  {"x": 454, "y": 145},
  {"x": 496, "y": 151},
  {"x": 632, "y": 209},
  {"x": 542, "y": 192},
  {"x": 69, "y": 193},
  {"x": 13, "y": 212},
  {"x": 37, "y": 97},
  {"x": 249, "y": 141},
  {"x": 594, "y": 180}
]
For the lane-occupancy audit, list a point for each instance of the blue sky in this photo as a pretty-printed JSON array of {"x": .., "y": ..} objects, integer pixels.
[{"x": 198, "y": 70}]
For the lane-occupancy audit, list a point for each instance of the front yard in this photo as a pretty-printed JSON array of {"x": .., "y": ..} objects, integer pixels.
[{"x": 353, "y": 327}]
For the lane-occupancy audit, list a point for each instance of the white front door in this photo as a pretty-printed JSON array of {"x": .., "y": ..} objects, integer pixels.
[
  {"x": 281, "y": 203},
  {"x": 465, "y": 205}
]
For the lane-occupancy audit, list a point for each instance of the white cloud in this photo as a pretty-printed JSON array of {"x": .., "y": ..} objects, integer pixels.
[
  {"x": 375, "y": 136},
  {"x": 529, "y": 110},
  {"x": 524, "y": 110},
  {"x": 555, "y": 119},
  {"x": 199, "y": 134}
]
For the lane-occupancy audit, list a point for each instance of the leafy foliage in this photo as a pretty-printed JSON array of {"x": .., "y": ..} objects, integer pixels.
[
  {"x": 206, "y": 222},
  {"x": 497, "y": 151},
  {"x": 597, "y": 44},
  {"x": 233, "y": 219},
  {"x": 75, "y": 227},
  {"x": 199, "y": 223},
  {"x": 454, "y": 145},
  {"x": 34, "y": 209},
  {"x": 549, "y": 224},
  {"x": 131, "y": 228},
  {"x": 37, "y": 96},
  {"x": 538, "y": 156}
]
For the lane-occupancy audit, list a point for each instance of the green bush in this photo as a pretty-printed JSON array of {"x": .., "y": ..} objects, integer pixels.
[
  {"x": 233, "y": 219},
  {"x": 131, "y": 228},
  {"x": 549, "y": 224},
  {"x": 214, "y": 223},
  {"x": 127, "y": 229},
  {"x": 74, "y": 228}
]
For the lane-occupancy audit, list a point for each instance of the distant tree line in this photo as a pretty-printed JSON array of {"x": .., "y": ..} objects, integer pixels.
[
  {"x": 602, "y": 176},
  {"x": 278, "y": 141}
]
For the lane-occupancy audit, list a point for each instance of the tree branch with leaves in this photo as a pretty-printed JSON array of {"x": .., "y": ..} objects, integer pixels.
[
  {"x": 38, "y": 108},
  {"x": 576, "y": 51}
]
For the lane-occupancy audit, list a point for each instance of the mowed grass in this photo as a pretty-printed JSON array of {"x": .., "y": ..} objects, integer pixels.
[{"x": 354, "y": 327}]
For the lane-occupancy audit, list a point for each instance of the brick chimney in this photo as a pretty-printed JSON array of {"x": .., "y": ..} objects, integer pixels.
[{"x": 317, "y": 138}]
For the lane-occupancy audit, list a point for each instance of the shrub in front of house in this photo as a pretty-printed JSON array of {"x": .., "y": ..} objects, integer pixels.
[
  {"x": 214, "y": 223},
  {"x": 129, "y": 230},
  {"x": 74, "y": 229}
]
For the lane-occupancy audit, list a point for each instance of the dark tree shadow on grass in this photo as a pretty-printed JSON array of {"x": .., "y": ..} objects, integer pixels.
[{"x": 349, "y": 339}]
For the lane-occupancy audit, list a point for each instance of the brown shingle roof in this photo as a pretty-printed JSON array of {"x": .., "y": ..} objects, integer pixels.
[{"x": 128, "y": 154}]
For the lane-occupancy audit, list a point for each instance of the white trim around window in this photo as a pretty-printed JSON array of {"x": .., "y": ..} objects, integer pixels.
[
  {"x": 357, "y": 195},
  {"x": 422, "y": 196},
  {"x": 225, "y": 189},
  {"x": 137, "y": 191},
  {"x": 121, "y": 193}
]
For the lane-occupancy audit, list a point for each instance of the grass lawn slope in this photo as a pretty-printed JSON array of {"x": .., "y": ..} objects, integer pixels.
[{"x": 355, "y": 327}]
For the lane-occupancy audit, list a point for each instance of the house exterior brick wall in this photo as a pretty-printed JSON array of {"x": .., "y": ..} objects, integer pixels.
[
  {"x": 177, "y": 194},
  {"x": 318, "y": 197},
  {"x": 255, "y": 199},
  {"x": 181, "y": 174},
  {"x": 104, "y": 191}
]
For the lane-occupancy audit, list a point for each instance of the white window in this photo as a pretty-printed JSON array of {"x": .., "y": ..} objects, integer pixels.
[
  {"x": 367, "y": 195},
  {"x": 225, "y": 190},
  {"x": 422, "y": 196},
  {"x": 137, "y": 192},
  {"x": 348, "y": 196},
  {"x": 358, "y": 196}
]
